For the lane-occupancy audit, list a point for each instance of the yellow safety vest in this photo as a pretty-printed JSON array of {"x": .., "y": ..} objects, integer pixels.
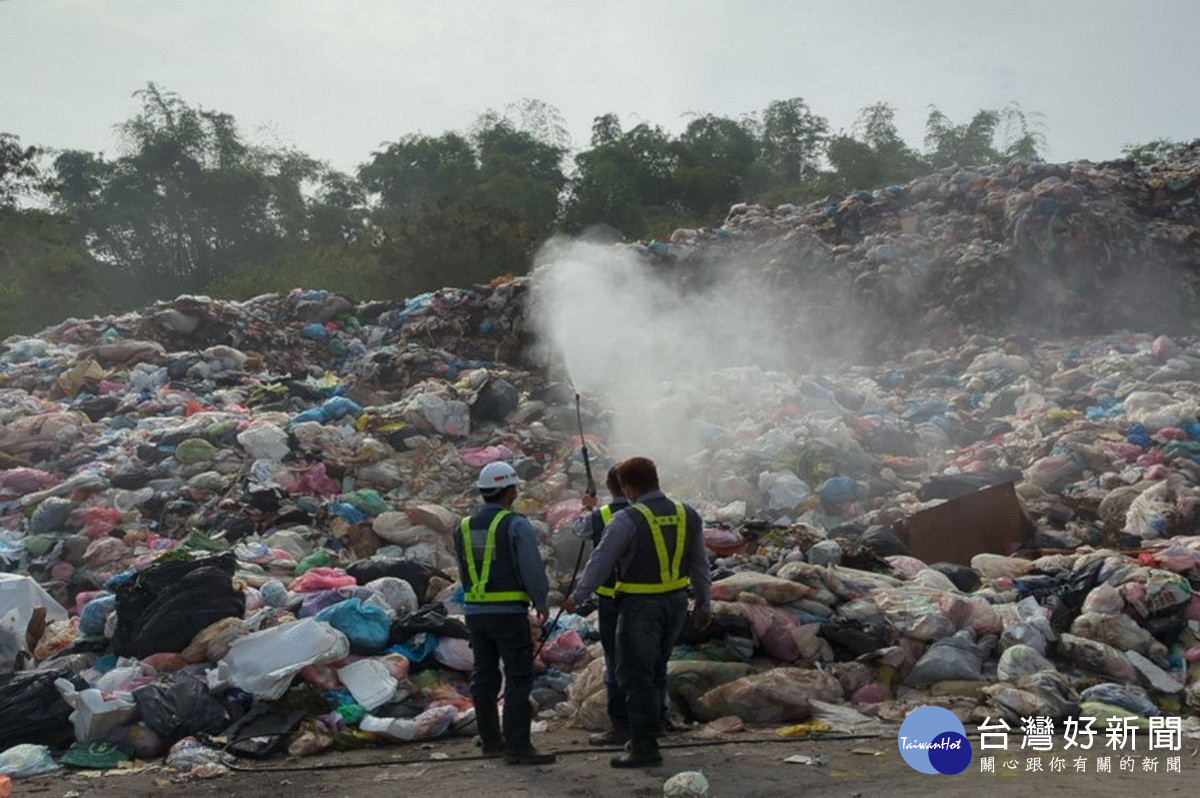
[
  {"x": 668, "y": 567},
  {"x": 606, "y": 514},
  {"x": 479, "y": 592}
]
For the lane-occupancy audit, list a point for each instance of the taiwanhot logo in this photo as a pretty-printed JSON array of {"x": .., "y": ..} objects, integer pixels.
[{"x": 932, "y": 740}]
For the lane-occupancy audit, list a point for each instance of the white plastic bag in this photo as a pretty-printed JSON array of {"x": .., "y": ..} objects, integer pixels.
[
  {"x": 263, "y": 663},
  {"x": 369, "y": 681},
  {"x": 95, "y": 715}
]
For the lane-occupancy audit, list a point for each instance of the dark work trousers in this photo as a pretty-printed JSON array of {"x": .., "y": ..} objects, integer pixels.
[
  {"x": 647, "y": 627},
  {"x": 497, "y": 637},
  {"x": 617, "y": 711}
]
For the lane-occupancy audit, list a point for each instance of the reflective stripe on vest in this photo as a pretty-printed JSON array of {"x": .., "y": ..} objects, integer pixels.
[
  {"x": 478, "y": 592},
  {"x": 668, "y": 569},
  {"x": 606, "y": 514}
]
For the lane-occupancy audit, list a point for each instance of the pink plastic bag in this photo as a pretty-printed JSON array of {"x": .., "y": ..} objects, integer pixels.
[
  {"x": 99, "y": 521},
  {"x": 563, "y": 512},
  {"x": 315, "y": 480},
  {"x": 479, "y": 456},
  {"x": 563, "y": 651},
  {"x": 723, "y": 542},
  {"x": 322, "y": 579}
]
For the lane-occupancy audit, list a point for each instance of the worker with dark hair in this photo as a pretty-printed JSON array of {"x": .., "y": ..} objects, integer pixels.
[
  {"x": 656, "y": 547},
  {"x": 502, "y": 573},
  {"x": 591, "y": 526}
]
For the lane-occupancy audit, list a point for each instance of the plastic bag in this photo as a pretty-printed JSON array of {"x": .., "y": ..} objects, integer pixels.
[
  {"x": 96, "y": 714},
  {"x": 455, "y": 653},
  {"x": 396, "y": 593},
  {"x": 12, "y": 640},
  {"x": 23, "y": 761},
  {"x": 1119, "y": 631},
  {"x": 774, "y": 696},
  {"x": 954, "y": 657},
  {"x": 165, "y": 606},
  {"x": 365, "y": 626},
  {"x": 321, "y": 579},
  {"x": 688, "y": 680},
  {"x": 688, "y": 784},
  {"x": 433, "y": 722},
  {"x": 1097, "y": 657},
  {"x": 1126, "y": 696},
  {"x": 369, "y": 681},
  {"x": 189, "y": 753},
  {"x": 32, "y": 710},
  {"x": 1021, "y": 660},
  {"x": 773, "y": 589},
  {"x": 264, "y": 663},
  {"x": 182, "y": 708}
]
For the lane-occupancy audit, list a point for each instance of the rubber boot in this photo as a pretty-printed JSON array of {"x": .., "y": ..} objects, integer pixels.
[
  {"x": 518, "y": 750},
  {"x": 643, "y": 745},
  {"x": 487, "y": 720}
]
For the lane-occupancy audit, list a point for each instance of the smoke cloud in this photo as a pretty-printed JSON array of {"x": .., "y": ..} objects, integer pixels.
[{"x": 678, "y": 356}]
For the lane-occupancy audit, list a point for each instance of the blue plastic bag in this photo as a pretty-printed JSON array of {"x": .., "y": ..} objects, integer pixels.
[{"x": 366, "y": 627}]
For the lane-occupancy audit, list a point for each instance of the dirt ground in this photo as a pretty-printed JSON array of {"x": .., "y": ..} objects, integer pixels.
[{"x": 746, "y": 769}]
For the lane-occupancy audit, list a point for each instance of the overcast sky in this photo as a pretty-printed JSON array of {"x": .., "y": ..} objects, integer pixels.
[{"x": 338, "y": 77}]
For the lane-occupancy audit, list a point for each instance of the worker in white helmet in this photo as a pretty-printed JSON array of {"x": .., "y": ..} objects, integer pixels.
[{"x": 502, "y": 573}]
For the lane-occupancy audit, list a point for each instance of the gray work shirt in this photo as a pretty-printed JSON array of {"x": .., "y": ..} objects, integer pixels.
[{"x": 616, "y": 552}]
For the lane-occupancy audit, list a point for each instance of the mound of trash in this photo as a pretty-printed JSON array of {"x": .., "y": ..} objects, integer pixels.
[{"x": 225, "y": 527}]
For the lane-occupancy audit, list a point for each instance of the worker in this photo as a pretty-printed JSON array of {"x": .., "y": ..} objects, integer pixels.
[
  {"x": 502, "y": 573},
  {"x": 656, "y": 547},
  {"x": 591, "y": 526}
]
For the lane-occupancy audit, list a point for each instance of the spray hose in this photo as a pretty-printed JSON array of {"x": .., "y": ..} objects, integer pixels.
[{"x": 591, "y": 491}]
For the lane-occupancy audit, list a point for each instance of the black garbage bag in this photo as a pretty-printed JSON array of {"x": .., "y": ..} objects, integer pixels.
[
  {"x": 851, "y": 639},
  {"x": 964, "y": 577},
  {"x": 33, "y": 711},
  {"x": 719, "y": 627},
  {"x": 179, "y": 709},
  {"x": 495, "y": 402},
  {"x": 262, "y": 732},
  {"x": 430, "y": 618},
  {"x": 166, "y": 605},
  {"x": 883, "y": 542},
  {"x": 416, "y": 574}
]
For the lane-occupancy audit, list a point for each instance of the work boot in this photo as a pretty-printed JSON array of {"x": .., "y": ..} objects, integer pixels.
[
  {"x": 528, "y": 756},
  {"x": 643, "y": 745},
  {"x": 518, "y": 749},
  {"x": 617, "y": 735},
  {"x": 490, "y": 740}
]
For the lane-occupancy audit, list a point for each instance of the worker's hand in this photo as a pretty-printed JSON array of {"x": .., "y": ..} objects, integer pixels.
[
  {"x": 568, "y": 604},
  {"x": 589, "y": 501},
  {"x": 701, "y": 619},
  {"x": 541, "y": 616}
]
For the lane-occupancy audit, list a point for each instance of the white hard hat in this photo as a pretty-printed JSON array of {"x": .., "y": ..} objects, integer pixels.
[{"x": 497, "y": 475}]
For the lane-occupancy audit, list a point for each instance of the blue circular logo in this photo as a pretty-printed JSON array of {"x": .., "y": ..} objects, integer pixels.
[{"x": 932, "y": 740}]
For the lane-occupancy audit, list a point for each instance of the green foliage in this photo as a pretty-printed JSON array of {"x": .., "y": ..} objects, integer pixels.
[
  {"x": 46, "y": 273},
  {"x": 873, "y": 154},
  {"x": 187, "y": 201},
  {"x": 1155, "y": 150},
  {"x": 19, "y": 172}
]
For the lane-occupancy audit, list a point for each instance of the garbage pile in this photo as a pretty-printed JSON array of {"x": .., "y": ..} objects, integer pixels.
[
  {"x": 1062, "y": 249},
  {"x": 225, "y": 527}
]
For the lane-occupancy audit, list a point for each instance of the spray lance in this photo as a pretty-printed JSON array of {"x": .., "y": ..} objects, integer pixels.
[{"x": 591, "y": 491}]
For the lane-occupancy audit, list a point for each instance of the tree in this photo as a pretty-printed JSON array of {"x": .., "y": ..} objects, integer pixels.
[
  {"x": 19, "y": 172},
  {"x": 419, "y": 169},
  {"x": 714, "y": 154},
  {"x": 873, "y": 154},
  {"x": 948, "y": 144},
  {"x": 46, "y": 272},
  {"x": 187, "y": 201},
  {"x": 791, "y": 139}
]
